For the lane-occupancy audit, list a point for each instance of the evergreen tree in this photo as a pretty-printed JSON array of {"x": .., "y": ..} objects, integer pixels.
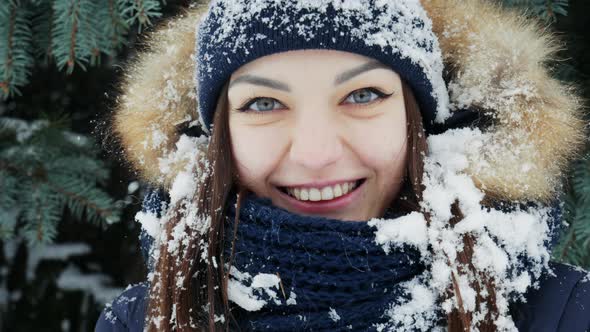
[
  {"x": 59, "y": 262},
  {"x": 70, "y": 32},
  {"x": 45, "y": 172}
]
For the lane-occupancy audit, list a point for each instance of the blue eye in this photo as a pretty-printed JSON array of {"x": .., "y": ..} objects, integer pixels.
[
  {"x": 262, "y": 104},
  {"x": 364, "y": 96}
]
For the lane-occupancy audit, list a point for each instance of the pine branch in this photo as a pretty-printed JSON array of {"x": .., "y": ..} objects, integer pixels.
[
  {"x": 82, "y": 167},
  {"x": 74, "y": 32},
  {"x": 42, "y": 215},
  {"x": 98, "y": 41},
  {"x": 16, "y": 40},
  {"x": 50, "y": 170},
  {"x": 117, "y": 27},
  {"x": 78, "y": 204},
  {"x": 42, "y": 23},
  {"x": 140, "y": 12},
  {"x": 79, "y": 194}
]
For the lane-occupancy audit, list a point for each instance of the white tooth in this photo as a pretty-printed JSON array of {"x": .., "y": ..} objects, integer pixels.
[
  {"x": 344, "y": 188},
  {"x": 314, "y": 194},
  {"x": 297, "y": 193},
  {"x": 351, "y": 186},
  {"x": 304, "y": 194},
  {"x": 337, "y": 191},
  {"x": 327, "y": 193}
]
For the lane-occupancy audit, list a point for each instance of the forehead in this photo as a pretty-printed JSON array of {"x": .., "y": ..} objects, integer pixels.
[{"x": 307, "y": 61}]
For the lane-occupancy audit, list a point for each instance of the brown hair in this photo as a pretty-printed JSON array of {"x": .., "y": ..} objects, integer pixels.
[{"x": 202, "y": 297}]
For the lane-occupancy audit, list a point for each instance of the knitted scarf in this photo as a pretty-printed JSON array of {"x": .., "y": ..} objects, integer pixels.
[{"x": 332, "y": 274}]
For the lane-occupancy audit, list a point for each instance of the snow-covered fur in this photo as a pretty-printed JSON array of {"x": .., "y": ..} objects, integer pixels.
[{"x": 496, "y": 63}]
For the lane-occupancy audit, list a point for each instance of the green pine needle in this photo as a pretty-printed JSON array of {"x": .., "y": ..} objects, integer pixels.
[
  {"x": 45, "y": 171},
  {"x": 73, "y": 33}
]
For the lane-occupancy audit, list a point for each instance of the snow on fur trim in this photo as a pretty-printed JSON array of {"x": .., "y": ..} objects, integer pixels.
[{"x": 499, "y": 63}]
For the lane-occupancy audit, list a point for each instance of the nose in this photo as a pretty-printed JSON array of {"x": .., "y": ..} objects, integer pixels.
[{"x": 316, "y": 142}]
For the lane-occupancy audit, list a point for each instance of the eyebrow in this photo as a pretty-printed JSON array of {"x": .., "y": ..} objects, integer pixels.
[
  {"x": 349, "y": 74},
  {"x": 257, "y": 80},
  {"x": 278, "y": 85}
]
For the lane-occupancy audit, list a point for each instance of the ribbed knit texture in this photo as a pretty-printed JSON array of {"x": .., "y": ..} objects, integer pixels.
[
  {"x": 397, "y": 33},
  {"x": 330, "y": 265}
]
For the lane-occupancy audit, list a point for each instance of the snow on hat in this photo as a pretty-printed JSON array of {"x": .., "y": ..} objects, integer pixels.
[{"x": 397, "y": 33}]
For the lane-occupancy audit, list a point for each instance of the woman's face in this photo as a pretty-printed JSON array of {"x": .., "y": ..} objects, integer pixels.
[{"x": 319, "y": 132}]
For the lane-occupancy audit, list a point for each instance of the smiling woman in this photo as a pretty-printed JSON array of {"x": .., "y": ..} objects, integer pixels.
[
  {"x": 319, "y": 132},
  {"x": 350, "y": 180}
]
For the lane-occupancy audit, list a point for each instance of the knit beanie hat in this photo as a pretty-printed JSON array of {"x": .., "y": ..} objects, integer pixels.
[{"x": 398, "y": 33}]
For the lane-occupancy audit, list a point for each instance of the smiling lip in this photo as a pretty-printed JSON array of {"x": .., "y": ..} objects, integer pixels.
[
  {"x": 310, "y": 207},
  {"x": 318, "y": 184}
]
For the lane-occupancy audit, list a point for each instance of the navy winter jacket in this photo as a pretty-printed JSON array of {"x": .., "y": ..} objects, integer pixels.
[{"x": 561, "y": 304}]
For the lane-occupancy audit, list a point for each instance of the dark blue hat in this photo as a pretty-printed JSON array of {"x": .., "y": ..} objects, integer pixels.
[{"x": 398, "y": 33}]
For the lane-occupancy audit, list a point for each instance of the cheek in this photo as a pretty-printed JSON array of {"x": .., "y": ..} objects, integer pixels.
[
  {"x": 383, "y": 146},
  {"x": 256, "y": 152}
]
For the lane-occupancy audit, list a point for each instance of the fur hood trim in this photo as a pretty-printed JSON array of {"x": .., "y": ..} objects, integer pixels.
[{"x": 496, "y": 62}]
